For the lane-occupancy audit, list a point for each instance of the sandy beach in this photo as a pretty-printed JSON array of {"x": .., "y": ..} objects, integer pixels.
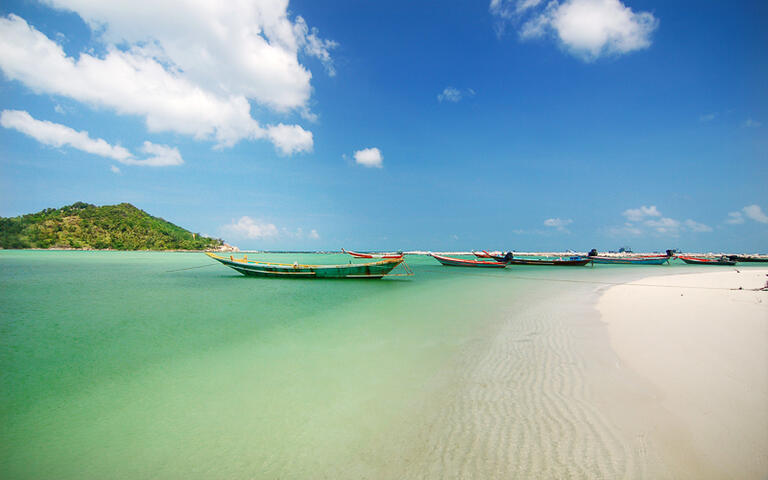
[{"x": 701, "y": 344}]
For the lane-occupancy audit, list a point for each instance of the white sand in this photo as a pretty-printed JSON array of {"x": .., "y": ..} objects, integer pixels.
[{"x": 702, "y": 351}]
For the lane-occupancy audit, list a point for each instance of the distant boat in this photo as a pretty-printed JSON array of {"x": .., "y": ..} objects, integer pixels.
[
  {"x": 373, "y": 255},
  {"x": 295, "y": 270},
  {"x": 747, "y": 258},
  {"x": 631, "y": 260},
  {"x": 557, "y": 262},
  {"x": 460, "y": 262},
  {"x": 723, "y": 260}
]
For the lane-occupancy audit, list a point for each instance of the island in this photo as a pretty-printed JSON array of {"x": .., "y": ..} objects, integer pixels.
[{"x": 83, "y": 226}]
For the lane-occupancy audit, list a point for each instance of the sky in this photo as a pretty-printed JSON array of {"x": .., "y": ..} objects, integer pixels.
[{"x": 503, "y": 124}]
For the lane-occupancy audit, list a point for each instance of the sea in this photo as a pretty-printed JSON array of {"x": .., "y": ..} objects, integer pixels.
[{"x": 128, "y": 365}]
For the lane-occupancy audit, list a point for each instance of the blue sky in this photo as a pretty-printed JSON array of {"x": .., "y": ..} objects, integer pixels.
[{"x": 527, "y": 125}]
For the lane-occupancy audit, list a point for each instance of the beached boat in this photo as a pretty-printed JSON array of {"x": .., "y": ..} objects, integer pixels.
[
  {"x": 460, "y": 262},
  {"x": 295, "y": 270},
  {"x": 747, "y": 258},
  {"x": 554, "y": 262},
  {"x": 707, "y": 260},
  {"x": 372, "y": 255}
]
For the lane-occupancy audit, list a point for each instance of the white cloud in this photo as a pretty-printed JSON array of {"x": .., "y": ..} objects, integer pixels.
[
  {"x": 247, "y": 227},
  {"x": 755, "y": 213},
  {"x": 638, "y": 214},
  {"x": 454, "y": 95},
  {"x": 558, "y": 223},
  {"x": 160, "y": 156},
  {"x": 59, "y": 109},
  {"x": 735, "y": 218},
  {"x": 749, "y": 123},
  {"x": 369, "y": 157},
  {"x": 707, "y": 117},
  {"x": 644, "y": 219},
  {"x": 57, "y": 135},
  {"x": 697, "y": 227},
  {"x": 115, "y": 170},
  {"x": 183, "y": 66},
  {"x": 664, "y": 225},
  {"x": 314, "y": 235},
  {"x": 587, "y": 28}
]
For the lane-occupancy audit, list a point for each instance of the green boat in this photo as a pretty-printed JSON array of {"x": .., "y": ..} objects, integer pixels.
[{"x": 295, "y": 270}]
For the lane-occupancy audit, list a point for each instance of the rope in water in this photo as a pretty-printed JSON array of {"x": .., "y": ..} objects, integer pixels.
[{"x": 190, "y": 268}]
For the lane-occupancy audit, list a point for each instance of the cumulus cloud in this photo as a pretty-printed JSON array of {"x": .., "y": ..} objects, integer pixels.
[
  {"x": 115, "y": 169},
  {"x": 369, "y": 157},
  {"x": 708, "y": 117},
  {"x": 587, "y": 28},
  {"x": 644, "y": 220},
  {"x": 638, "y": 214},
  {"x": 454, "y": 95},
  {"x": 697, "y": 227},
  {"x": 755, "y": 213},
  {"x": 749, "y": 123},
  {"x": 58, "y": 135},
  {"x": 752, "y": 212},
  {"x": 182, "y": 66},
  {"x": 735, "y": 218},
  {"x": 247, "y": 227},
  {"x": 558, "y": 223}
]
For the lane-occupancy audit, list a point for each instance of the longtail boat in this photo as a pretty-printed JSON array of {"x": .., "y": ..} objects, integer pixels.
[
  {"x": 557, "y": 262},
  {"x": 373, "y": 255},
  {"x": 295, "y": 270},
  {"x": 460, "y": 262},
  {"x": 747, "y": 258},
  {"x": 630, "y": 260},
  {"x": 723, "y": 260}
]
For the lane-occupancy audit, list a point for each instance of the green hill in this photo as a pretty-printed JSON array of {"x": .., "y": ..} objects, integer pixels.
[{"x": 86, "y": 226}]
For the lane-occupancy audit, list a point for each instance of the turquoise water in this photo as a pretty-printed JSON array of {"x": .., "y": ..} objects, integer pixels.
[{"x": 140, "y": 365}]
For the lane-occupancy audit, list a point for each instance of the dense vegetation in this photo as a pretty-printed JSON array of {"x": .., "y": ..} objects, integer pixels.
[{"x": 82, "y": 225}]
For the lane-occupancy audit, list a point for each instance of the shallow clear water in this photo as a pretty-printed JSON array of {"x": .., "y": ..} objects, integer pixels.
[{"x": 137, "y": 365}]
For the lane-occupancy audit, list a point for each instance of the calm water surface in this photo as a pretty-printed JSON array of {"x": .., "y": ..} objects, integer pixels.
[{"x": 138, "y": 365}]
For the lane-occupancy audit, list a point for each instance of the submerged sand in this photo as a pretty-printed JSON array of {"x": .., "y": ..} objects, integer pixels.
[
  {"x": 700, "y": 342},
  {"x": 650, "y": 385}
]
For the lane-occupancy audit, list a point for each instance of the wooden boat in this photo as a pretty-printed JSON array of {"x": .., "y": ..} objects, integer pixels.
[
  {"x": 557, "y": 262},
  {"x": 630, "y": 260},
  {"x": 372, "y": 255},
  {"x": 460, "y": 262},
  {"x": 295, "y": 270},
  {"x": 747, "y": 258},
  {"x": 482, "y": 254},
  {"x": 707, "y": 260}
]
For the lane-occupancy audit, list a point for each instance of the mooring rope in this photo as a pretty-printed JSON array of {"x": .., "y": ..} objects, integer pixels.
[{"x": 190, "y": 268}]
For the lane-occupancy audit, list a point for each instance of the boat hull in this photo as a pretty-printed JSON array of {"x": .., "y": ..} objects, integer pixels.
[
  {"x": 744, "y": 258},
  {"x": 707, "y": 261},
  {"x": 282, "y": 270},
  {"x": 372, "y": 255},
  {"x": 550, "y": 262},
  {"x": 630, "y": 261},
  {"x": 460, "y": 262}
]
